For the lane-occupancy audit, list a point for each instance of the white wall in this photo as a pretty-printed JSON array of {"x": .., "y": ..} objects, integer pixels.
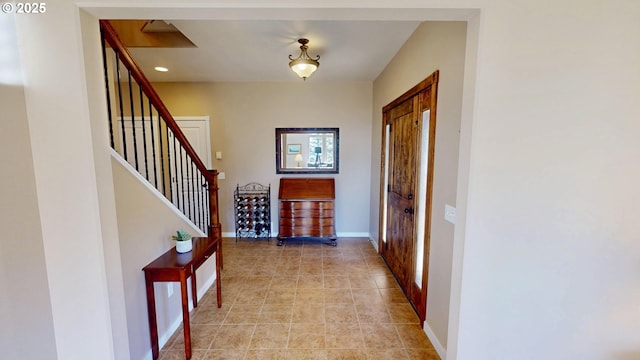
[
  {"x": 551, "y": 252},
  {"x": 25, "y": 308},
  {"x": 433, "y": 46},
  {"x": 243, "y": 121},
  {"x": 104, "y": 181},
  {"x": 65, "y": 181}
]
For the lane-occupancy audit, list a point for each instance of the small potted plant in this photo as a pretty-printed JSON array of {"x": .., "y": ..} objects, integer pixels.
[{"x": 183, "y": 241}]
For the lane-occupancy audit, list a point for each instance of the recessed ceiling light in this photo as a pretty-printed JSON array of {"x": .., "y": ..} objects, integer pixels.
[{"x": 161, "y": 68}]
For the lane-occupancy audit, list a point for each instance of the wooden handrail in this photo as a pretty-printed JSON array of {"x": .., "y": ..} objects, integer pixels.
[{"x": 125, "y": 57}]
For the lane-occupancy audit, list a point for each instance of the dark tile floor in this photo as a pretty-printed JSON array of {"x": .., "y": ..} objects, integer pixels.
[{"x": 304, "y": 300}]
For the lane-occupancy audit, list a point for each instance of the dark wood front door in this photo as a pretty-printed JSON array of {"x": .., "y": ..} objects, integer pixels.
[
  {"x": 407, "y": 178},
  {"x": 399, "y": 247}
]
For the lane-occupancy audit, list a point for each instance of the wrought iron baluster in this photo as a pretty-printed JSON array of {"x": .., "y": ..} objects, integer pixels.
[
  {"x": 106, "y": 81},
  {"x": 170, "y": 185},
  {"x": 182, "y": 178},
  {"x": 133, "y": 122},
  {"x": 121, "y": 106},
  {"x": 144, "y": 135},
  {"x": 200, "y": 199},
  {"x": 153, "y": 147},
  {"x": 185, "y": 179},
  {"x": 175, "y": 168},
  {"x": 192, "y": 202}
]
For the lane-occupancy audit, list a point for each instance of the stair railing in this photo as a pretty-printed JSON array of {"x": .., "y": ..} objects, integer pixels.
[{"x": 147, "y": 136}]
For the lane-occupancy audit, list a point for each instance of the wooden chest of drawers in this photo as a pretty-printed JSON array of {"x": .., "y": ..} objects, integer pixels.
[{"x": 306, "y": 209}]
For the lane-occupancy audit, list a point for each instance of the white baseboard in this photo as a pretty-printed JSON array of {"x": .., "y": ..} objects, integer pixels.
[
  {"x": 353, "y": 234},
  {"x": 340, "y": 234},
  {"x": 162, "y": 340},
  {"x": 165, "y": 336},
  {"x": 442, "y": 352},
  {"x": 374, "y": 243},
  {"x": 207, "y": 284}
]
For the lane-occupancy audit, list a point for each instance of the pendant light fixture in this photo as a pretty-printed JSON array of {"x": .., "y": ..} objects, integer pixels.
[{"x": 303, "y": 65}]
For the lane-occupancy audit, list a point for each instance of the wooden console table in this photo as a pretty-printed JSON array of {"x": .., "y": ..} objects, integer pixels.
[
  {"x": 306, "y": 209},
  {"x": 174, "y": 266}
]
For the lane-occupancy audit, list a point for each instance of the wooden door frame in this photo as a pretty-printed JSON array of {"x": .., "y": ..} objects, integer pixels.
[{"x": 431, "y": 103}]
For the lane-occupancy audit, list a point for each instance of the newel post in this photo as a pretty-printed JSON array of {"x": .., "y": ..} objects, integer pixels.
[{"x": 215, "y": 229}]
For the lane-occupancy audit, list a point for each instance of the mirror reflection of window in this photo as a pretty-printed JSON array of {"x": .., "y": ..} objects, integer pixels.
[
  {"x": 320, "y": 150},
  {"x": 328, "y": 146},
  {"x": 307, "y": 150},
  {"x": 315, "y": 151}
]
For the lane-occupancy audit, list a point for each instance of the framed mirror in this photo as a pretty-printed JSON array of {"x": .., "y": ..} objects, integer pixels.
[{"x": 307, "y": 150}]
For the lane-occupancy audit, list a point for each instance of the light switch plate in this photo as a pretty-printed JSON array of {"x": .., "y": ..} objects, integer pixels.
[
  {"x": 219, "y": 155},
  {"x": 450, "y": 213}
]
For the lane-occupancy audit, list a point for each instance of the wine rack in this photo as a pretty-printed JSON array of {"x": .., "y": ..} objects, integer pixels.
[{"x": 252, "y": 204}]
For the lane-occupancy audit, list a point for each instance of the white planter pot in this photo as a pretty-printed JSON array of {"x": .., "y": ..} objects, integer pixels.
[{"x": 184, "y": 246}]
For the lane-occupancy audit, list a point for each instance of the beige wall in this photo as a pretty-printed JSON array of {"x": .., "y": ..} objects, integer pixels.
[
  {"x": 243, "y": 121},
  {"x": 433, "y": 46},
  {"x": 145, "y": 224}
]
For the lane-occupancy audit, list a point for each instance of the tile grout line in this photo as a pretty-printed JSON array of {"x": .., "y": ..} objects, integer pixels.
[{"x": 355, "y": 260}]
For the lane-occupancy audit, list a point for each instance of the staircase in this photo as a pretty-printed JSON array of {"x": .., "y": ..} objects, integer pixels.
[{"x": 145, "y": 134}]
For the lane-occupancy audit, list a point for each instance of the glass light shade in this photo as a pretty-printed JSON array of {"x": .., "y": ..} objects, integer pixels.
[{"x": 304, "y": 67}]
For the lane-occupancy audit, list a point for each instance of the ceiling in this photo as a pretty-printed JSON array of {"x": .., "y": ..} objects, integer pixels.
[{"x": 258, "y": 50}]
